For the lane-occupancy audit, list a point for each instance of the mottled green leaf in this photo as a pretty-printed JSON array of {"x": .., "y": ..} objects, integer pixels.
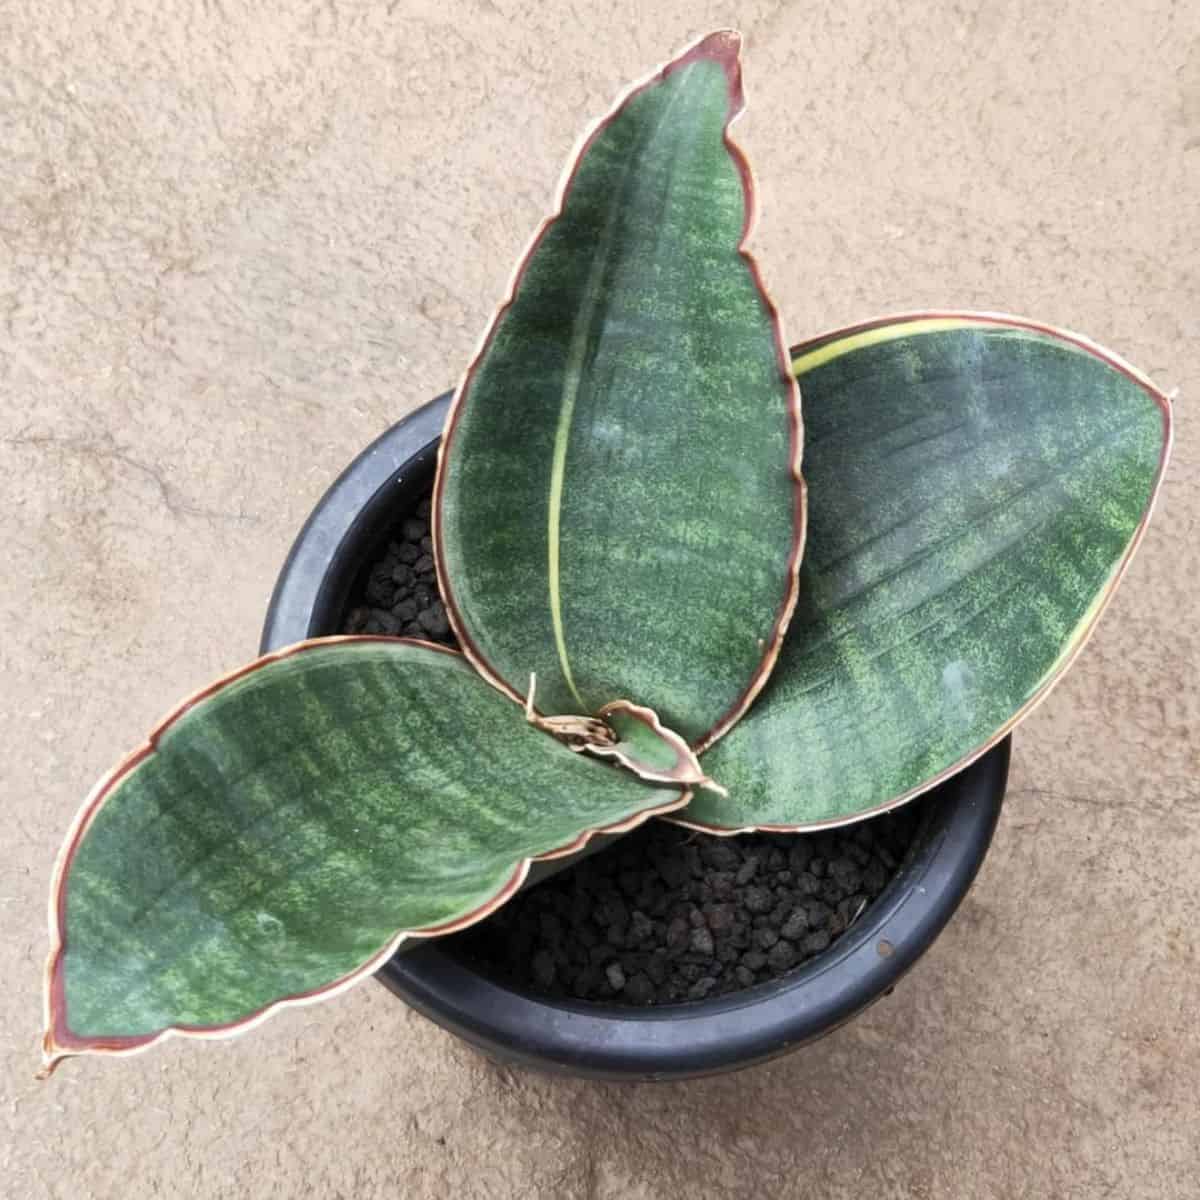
[
  {"x": 280, "y": 833},
  {"x": 977, "y": 487},
  {"x": 618, "y": 508}
]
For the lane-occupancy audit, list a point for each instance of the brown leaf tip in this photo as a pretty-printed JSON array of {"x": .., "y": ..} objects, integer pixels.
[
  {"x": 724, "y": 47},
  {"x": 52, "y": 1058}
]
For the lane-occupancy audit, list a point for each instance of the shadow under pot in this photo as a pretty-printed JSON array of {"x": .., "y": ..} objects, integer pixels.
[{"x": 668, "y": 953}]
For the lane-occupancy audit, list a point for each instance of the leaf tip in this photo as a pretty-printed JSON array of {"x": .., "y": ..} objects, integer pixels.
[
  {"x": 722, "y": 44},
  {"x": 722, "y": 47},
  {"x": 52, "y": 1057}
]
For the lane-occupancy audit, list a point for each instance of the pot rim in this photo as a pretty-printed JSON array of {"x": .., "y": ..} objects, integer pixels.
[{"x": 605, "y": 1040}]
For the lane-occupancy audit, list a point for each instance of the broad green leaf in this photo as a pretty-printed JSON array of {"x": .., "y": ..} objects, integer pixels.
[
  {"x": 280, "y": 833},
  {"x": 618, "y": 506},
  {"x": 978, "y": 485}
]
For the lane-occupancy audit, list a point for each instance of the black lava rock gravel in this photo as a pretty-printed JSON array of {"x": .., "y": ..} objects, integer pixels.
[
  {"x": 399, "y": 596},
  {"x": 660, "y": 916}
]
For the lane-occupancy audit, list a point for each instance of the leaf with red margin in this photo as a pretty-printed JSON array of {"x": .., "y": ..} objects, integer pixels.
[
  {"x": 283, "y": 831},
  {"x": 979, "y": 485},
  {"x": 618, "y": 506}
]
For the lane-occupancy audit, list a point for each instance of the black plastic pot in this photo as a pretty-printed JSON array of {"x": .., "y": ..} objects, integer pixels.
[{"x": 340, "y": 538}]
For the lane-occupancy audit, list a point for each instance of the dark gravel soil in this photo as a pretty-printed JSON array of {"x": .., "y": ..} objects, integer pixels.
[
  {"x": 665, "y": 914},
  {"x": 399, "y": 596}
]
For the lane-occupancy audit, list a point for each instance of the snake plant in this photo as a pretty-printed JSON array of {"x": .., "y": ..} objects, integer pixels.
[{"x": 619, "y": 525}]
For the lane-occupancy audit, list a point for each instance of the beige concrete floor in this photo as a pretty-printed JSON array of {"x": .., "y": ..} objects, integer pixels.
[{"x": 239, "y": 239}]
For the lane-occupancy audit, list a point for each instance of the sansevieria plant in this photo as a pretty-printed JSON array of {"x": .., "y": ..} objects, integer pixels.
[{"x": 619, "y": 524}]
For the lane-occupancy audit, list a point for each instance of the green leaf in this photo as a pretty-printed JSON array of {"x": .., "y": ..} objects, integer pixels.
[
  {"x": 978, "y": 486},
  {"x": 280, "y": 833},
  {"x": 618, "y": 506}
]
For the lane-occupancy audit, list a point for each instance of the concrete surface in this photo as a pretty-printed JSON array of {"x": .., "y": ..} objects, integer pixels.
[{"x": 238, "y": 239}]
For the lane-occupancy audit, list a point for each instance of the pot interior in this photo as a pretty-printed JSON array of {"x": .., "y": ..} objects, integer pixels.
[{"x": 663, "y": 915}]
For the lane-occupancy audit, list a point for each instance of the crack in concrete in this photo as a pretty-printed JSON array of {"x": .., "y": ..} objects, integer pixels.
[
  {"x": 1181, "y": 805},
  {"x": 170, "y": 497}
]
